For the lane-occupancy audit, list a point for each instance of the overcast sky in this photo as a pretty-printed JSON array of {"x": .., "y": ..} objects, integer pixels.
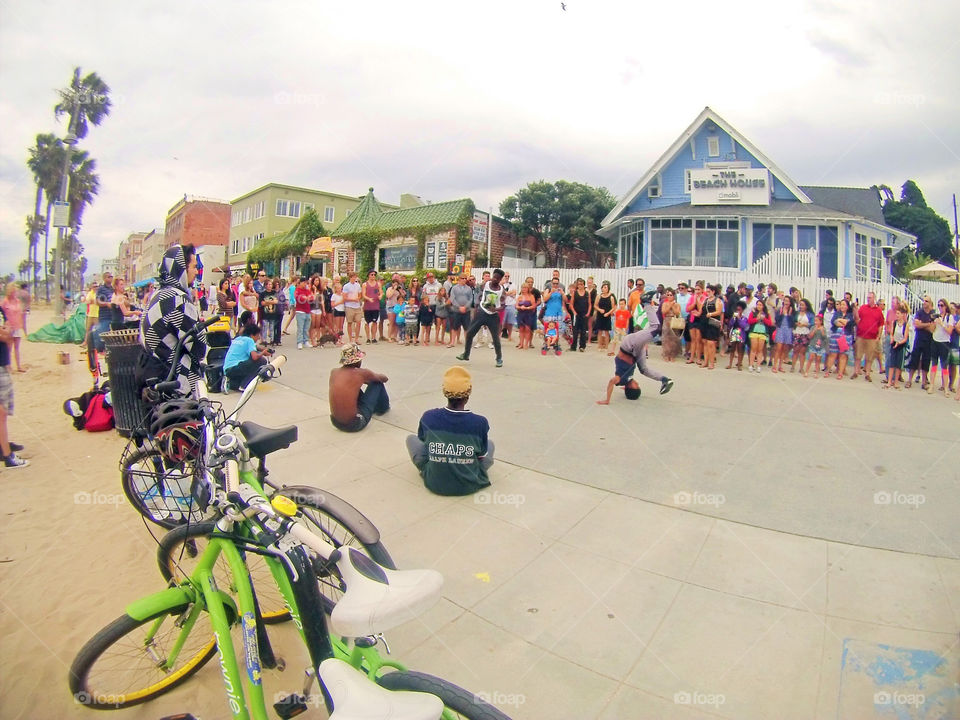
[{"x": 458, "y": 99}]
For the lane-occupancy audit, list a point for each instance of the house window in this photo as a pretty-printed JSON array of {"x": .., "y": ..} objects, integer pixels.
[
  {"x": 653, "y": 190},
  {"x": 860, "y": 256},
  {"x": 294, "y": 209},
  {"x": 259, "y": 210},
  {"x": 762, "y": 240},
  {"x": 631, "y": 244},
  {"x": 783, "y": 237},
  {"x": 328, "y": 213},
  {"x": 713, "y": 146},
  {"x": 806, "y": 237},
  {"x": 247, "y": 213},
  {"x": 671, "y": 245},
  {"x": 235, "y": 246},
  {"x": 308, "y": 206},
  {"x": 281, "y": 208},
  {"x": 717, "y": 243},
  {"x": 441, "y": 254},
  {"x": 876, "y": 260},
  {"x": 829, "y": 250}
]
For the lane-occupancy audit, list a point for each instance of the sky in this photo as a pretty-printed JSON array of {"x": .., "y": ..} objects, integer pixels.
[{"x": 454, "y": 99}]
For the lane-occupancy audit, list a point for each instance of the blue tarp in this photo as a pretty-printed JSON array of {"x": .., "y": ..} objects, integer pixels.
[{"x": 144, "y": 283}]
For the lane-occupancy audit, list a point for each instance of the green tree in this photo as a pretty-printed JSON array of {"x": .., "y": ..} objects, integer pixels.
[
  {"x": 46, "y": 164},
  {"x": 912, "y": 214},
  {"x": 564, "y": 213}
]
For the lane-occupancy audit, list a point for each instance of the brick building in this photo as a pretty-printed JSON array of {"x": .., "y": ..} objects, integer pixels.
[{"x": 198, "y": 221}]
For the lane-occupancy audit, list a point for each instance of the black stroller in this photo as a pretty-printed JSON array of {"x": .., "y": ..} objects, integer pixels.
[{"x": 218, "y": 342}]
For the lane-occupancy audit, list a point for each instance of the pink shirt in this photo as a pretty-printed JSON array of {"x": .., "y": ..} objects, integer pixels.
[{"x": 14, "y": 312}]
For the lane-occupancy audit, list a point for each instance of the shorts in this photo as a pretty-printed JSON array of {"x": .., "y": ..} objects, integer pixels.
[
  {"x": 510, "y": 315},
  {"x": 6, "y": 390},
  {"x": 339, "y": 313},
  {"x": 459, "y": 320},
  {"x": 371, "y": 316},
  {"x": 316, "y": 311},
  {"x": 356, "y": 425},
  {"x": 16, "y": 333},
  {"x": 354, "y": 314},
  {"x": 801, "y": 341},
  {"x": 623, "y": 370},
  {"x": 954, "y": 357}
]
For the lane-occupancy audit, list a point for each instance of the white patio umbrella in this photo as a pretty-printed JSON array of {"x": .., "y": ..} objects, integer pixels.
[{"x": 935, "y": 271}]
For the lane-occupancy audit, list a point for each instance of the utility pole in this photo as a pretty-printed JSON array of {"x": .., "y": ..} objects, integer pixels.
[
  {"x": 956, "y": 239},
  {"x": 70, "y": 140}
]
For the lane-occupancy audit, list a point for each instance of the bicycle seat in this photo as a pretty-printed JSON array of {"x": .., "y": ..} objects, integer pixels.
[
  {"x": 261, "y": 441},
  {"x": 378, "y": 599},
  {"x": 356, "y": 697}
]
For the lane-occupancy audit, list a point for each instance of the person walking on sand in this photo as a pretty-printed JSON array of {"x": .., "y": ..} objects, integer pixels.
[
  {"x": 632, "y": 354},
  {"x": 351, "y": 407},
  {"x": 452, "y": 449},
  {"x": 488, "y": 316}
]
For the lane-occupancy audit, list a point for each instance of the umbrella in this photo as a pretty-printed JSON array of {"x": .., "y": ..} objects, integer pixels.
[{"x": 935, "y": 271}]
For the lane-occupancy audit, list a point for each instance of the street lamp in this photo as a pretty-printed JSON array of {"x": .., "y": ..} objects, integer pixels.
[{"x": 70, "y": 140}]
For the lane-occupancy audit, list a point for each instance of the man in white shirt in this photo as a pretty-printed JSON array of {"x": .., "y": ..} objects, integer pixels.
[
  {"x": 351, "y": 304},
  {"x": 428, "y": 293}
]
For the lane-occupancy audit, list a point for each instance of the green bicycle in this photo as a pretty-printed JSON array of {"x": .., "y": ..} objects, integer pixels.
[{"x": 163, "y": 639}]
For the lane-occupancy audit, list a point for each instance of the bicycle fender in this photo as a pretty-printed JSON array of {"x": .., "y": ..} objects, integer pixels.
[
  {"x": 173, "y": 597},
  {"x": 366, "y": 531}
]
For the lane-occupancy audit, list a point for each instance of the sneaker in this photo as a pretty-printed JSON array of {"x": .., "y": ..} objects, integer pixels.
[
  {"x": 491, "y": 346},
  {"x": 543, "y": 351},
  {"x": 558, "y": 351},
  {"x": 374, "y": 341},
  {"x": 665, "y": 386},
  {"x": 463, "y": 357},
  {"x": 15, "y": 447},
  {"x": 12, "y": 461},
  {"x": 299, "y": 346},
  {"x": 499, "y": 362}
]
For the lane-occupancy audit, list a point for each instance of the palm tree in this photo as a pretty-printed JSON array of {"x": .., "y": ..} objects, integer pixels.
[
  {"x": 85, "y": 100},
  {"x": 46, "y": 164},
  {"x": 84, "y": 184}
]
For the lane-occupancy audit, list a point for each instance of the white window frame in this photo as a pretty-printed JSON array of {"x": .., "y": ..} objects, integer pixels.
[
  {"x": 235, "y": 246},
  {"x": 713, "y": 146},
  {"x": 258, "y": 210},
  {"x": 293, "y": 210},
  {"x": 329, "y": 213},
  {"x": 281, "y": 208},
  {"x": 654, "y": 189},
  {"x": 247, "y": 214},
  {"x": 875, "y": 262},
  {"x": 861, "y": 256}
]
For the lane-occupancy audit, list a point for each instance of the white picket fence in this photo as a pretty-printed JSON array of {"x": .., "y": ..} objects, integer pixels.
[
  {"x": 787, "y": 263},
  {"x": 811, "y": 287}
]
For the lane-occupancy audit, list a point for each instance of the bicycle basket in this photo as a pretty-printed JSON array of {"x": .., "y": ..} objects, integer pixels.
[{"x": 164, "y": 491}]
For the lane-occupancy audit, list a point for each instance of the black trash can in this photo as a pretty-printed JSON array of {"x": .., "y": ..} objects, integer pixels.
[{"x": 123, "y": 351}]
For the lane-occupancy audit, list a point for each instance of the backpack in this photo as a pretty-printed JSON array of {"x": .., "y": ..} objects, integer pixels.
[{"x": 91, "y": 411}]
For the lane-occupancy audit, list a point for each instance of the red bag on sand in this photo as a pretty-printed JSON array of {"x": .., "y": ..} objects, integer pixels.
[{"x": 98, "y": 415}]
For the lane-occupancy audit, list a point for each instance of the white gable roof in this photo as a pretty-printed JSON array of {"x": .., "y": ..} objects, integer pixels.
[{"x": 682, "y": 141}]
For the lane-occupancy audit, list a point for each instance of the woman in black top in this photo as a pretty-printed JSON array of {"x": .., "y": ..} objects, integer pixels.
[
  {"x": 606, "y": 305},
  {"x": 580, "y": 309},
  {"x": 123, "y": 316}
]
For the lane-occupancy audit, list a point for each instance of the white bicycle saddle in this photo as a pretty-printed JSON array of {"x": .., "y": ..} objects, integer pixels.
[
  {"x": 355, "y": 697},
  {"x": 378, "y": 599}
]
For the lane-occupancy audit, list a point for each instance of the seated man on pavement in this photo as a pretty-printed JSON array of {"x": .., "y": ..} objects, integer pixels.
[
  {"x": 351, "y": 407},
  {"x": 451, "y": 448},
  {"x": 245, "y": 357}
]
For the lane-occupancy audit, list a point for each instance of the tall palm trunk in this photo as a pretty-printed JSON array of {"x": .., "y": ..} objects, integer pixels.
[
  {"x": 46, "y": 251},
  {"x": 35, "y": 241}
]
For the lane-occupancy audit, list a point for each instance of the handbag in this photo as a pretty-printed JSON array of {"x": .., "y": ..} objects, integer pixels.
[
  {"x": 677, "y": 323},
  {"x": 736, "y": 335},
  {"x": 842, "y": 344},
  {"x": 713, "y": 322}
]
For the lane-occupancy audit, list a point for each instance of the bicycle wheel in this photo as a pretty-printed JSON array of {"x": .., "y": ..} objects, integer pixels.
[
  {"x": 118, "y": 668},
  {"x": 160, "y": 490},
  {"x": 179, "y": 547},
  {"x": 463, "y": 703}
]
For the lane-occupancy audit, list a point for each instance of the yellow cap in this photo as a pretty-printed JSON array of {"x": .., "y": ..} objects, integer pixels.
[{"x": 284, "y": 505}]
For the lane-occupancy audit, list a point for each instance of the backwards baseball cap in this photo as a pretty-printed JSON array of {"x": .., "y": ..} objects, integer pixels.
[
  {"x": 749, "y": 287},
  {"x": 457, "y": 383},
  {"x": 351, "y": 354},
  {"x": 429, "y": 274}
]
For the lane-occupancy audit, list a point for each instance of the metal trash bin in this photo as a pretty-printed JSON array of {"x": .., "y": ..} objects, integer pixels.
[{"x": 123, "y": 352}]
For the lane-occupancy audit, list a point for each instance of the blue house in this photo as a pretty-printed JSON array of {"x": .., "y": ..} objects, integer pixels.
[{"x": 714, "y": 202}]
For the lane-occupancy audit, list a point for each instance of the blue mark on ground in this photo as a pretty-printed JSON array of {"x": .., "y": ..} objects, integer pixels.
[{"x": 885, "y": 681}]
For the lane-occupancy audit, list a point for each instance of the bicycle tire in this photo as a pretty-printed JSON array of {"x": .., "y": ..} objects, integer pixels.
[
  {"x": 137, "y": 658},
  {"x": 145, "y": 472},
  {"x": 464, "y": 703},
  {"x": 173, "y": 546}
]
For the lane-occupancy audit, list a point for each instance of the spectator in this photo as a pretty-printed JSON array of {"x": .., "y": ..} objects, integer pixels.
[
  {"x": 122, "y": 313},
  {"x": 757, "y": 323},
  {"x": 801, "y": 333},
  {"x": 922, "y": 341},
  {"x": 580, "y": 310},
  {"x": 428, "y": 302},
  {"x": 371, "y": 306},
  {"x": 302, "y": 306},
  {"x": 606, "y": 306},
  {"x": 7, "y": 448},
  {"x": 13, "y": 314},
  {"x": 943, "y": 326},
  {"x": 245, "y": 357},
  {"x": 105, "y": 312},
  {"x": 354, "y": 312},
  {"x": 351, "y": 407},
  {"x": 461, "y": 302},
  {"x": 869, "y": 324},
  {"x": 452, "y": 449},
  {"x": 527, "y": 303},
  {"x": 841, "y": 339},
  {"x": 441, "y": 311},
  {"x": 899, "y": 333},
  {"x": 737, "y": 335},
  {"x": 817, "y": 347},
  {"x": 784, "y": 321},
  {"x": 712, "y": 325}
]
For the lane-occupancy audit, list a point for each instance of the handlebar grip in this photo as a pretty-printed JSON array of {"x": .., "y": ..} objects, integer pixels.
[
  {"x": 278, "y": 361},
  {"x": 209, "y": 321},
  {"x": 167, "y": 386}
]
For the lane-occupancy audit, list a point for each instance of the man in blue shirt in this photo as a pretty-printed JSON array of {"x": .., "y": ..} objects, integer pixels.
[
  {"x": 245, "y": 357},
  {"x": 451, "y": 448},
  {"x": 104, "y": 310}
]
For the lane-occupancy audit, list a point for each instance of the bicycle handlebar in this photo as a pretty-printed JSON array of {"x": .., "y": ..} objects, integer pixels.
[{"x": 178, "y": 349}]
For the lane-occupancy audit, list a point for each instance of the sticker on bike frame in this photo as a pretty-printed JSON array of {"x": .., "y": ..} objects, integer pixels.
[{"x": 250, "y": 649}]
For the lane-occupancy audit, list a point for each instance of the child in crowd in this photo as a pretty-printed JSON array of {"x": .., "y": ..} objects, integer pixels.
[
  {"x": 412, "y": 319},
  {"x": 441, "y": 312},
  {"x": 817, "y": 346},
  {"x": 400, "y": 322},
  {"x": 551, "y": 337},
  {"x": 621, "y": 321},
  {"x": 898, "y": 348},
  {"x": 737, "y": 335},
  {"x": 758, "y": 324}
]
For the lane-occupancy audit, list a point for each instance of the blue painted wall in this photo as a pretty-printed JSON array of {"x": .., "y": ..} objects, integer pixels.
[{"x": 673, "y": 176}]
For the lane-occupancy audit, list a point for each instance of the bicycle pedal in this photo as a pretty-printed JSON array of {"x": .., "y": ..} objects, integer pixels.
[{"x": 290, "y": 706}]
